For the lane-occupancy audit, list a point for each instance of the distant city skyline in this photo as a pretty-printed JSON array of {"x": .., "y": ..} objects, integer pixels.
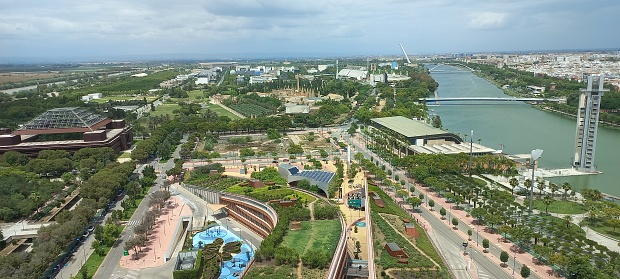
[{"x": 73, "y": 30}]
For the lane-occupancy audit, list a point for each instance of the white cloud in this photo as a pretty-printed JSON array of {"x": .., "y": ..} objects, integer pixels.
[
  {"x": 355, "y": 26},
  {"x": 488, "y": 20}
]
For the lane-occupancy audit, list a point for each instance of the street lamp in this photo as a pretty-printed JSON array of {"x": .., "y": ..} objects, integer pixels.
[
  {"x": 536, "y": 154},
  {"x": 471, "y": 149}
]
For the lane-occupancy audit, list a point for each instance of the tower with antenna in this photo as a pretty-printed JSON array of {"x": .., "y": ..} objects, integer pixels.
[
  {"x": 407, "y": 57},
  {"x": 336, "y": 69}
]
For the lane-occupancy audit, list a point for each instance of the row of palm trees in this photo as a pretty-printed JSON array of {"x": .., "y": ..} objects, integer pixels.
[{"x": 540, "y": 185}]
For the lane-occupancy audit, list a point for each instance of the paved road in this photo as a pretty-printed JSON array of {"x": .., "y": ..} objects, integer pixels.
[{"x": 110, "y": 265}]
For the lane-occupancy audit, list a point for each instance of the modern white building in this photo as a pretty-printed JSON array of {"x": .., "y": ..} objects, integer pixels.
[
  {"x": 587, "y": 123},
  {"x": 92, "y": 96}
]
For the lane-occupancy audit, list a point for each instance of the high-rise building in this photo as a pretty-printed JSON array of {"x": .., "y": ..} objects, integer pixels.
[{"x": 587, "y": 122}]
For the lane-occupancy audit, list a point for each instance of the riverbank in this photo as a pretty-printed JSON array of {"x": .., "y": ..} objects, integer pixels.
[
  {"x": 512, "y": 93},
  {"x": 574, "y": 116}
]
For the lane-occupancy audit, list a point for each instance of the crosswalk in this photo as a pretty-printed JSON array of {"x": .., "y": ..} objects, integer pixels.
[
  {"x": 483, "y": 275},
  {"x": 133, "y": 223},
  {"x": 132, "y": 274}
]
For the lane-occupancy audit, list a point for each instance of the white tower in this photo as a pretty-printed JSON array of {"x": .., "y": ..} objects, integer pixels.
[{"x": 587, "y": 122}]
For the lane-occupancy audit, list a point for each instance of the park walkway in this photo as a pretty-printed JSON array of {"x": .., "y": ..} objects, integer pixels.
[
  {"x": 352, "y": 216},
  {"x": 154, "y": 252}
]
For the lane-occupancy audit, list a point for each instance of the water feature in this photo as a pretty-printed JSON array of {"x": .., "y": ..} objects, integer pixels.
[
  {"x": 520, "y": 128},
  {"x": 235, "y": 266}
]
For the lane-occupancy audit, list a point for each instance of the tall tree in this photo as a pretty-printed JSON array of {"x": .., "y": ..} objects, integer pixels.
[{"x": 513, "y": 184}]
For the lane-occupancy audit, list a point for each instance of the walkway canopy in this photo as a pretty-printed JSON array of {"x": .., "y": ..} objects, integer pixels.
[{"x": 215, "y": 207}]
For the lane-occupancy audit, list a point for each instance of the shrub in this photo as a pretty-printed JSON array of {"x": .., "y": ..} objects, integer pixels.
[
  {"x": 503, "y": 256},
  {"x": 525, "y": 271}
]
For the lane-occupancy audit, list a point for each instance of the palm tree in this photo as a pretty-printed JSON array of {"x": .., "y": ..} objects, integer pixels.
[
  {"x": 567, "y": 219},
  {"x": 547, "y": 200},
  {"x": 513, "y": 184},
  {"x": 554, "y": 188},
  {"x": 540, "y": 185},
  {"x": 566, "y": 187}
]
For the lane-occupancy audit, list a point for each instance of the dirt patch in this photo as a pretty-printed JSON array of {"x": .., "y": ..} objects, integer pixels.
[{"x": 20, "y": 77}]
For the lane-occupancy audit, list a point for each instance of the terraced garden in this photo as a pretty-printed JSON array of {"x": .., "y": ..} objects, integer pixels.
[{"x": 423, "y": 261}]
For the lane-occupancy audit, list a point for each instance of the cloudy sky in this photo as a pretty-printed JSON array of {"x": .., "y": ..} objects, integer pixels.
[{"x": 95, "y": 28}]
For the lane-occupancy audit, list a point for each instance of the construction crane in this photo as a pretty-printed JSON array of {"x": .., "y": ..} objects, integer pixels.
[{"x": 401, "y": 47}]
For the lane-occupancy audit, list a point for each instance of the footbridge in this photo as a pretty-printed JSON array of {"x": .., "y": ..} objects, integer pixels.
[
  {"x": 434, "y": 69},
  {"x": 493, "y": 99}
]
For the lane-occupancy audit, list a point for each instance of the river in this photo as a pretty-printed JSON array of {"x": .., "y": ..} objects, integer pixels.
[{"x": 520, "y": 128}]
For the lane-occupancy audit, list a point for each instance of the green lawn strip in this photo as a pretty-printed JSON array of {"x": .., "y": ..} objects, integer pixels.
[
  {"x": 602, "y": 228},
  {"x": 94, "y": 260},
  {"x": 320, "y": 234},
  {"x": 299, "y": 239},
  {"x": 561, "y": 207},
  {"x": 93, "y": 263},
  {"x": 422, "y": 242},
  {"x": 125, "y": 155},
  {"x": 271, "y": 272},
  {"x": 479, "y": 181},
  {"x": 220, "y": 111}
]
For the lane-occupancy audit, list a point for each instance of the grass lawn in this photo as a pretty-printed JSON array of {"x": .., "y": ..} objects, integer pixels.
[
  {"x": 93, "y": 263},
  {"x": 196, "y": 95},
  {"x": 602, "y": 228},
  {"x": 321, "y": 234},
  {"x": 479, "y": 181},
  {"x": 220, "y": 111},
  {"x": 165, "y": 109},
  {"x": 561, "y": 206},
  {"x": 125, "y": 155},
  {"x": 260, "y": 271}
]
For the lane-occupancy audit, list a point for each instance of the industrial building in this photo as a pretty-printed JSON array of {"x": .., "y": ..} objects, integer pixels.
[
  {"x": 419, "y": 137},
  {"x": 93, "y": 130}
]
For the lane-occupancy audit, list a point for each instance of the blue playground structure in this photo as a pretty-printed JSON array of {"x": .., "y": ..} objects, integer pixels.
[{"x": 234, "y": 267}]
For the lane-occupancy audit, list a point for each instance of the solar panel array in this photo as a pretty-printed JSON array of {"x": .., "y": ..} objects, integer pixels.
[
  {"x": 320, "y": 176},
  {"x": 293, "y": 170}
]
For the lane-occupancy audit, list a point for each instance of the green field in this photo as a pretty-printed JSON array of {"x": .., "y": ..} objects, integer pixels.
[
  {"x": 165, "y": 109},
  {"x": 321, "y": 234},
  {"x": 221, "y": 111},
  {"x": 560, "y": 206},
  {"x": 196, "y": 95}
]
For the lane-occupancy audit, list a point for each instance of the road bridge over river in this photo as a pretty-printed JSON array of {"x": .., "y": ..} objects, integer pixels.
[{"x": 493, "y": 99}]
